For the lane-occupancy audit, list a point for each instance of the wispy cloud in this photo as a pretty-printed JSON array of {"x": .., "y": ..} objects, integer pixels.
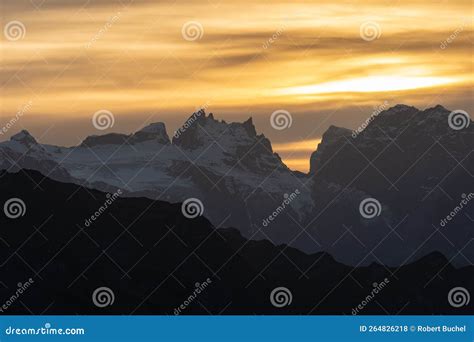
[{"x": 317, "y": 60}]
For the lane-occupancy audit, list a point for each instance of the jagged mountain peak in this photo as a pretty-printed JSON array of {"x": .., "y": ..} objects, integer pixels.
[
  {"x": 200, "y": 116},
  {"x": 401, "y": 111},
  {"x": 249, "y": 126},
  {"x": 24, "y": 141},
  {"x": 24, "y": 137},
  {"x": 200, "y": 130},
  {"x": 237, "y": 142}
]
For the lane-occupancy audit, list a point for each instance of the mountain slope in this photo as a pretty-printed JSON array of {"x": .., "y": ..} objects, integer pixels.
[
  {"x": 416, "y": 167},
  {"x": 230, "y": 168},
  {"x": 153, "y": 258}
]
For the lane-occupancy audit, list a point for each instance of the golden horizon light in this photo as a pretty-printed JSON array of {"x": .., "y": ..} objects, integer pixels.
[{"x": 325, "y": 63}]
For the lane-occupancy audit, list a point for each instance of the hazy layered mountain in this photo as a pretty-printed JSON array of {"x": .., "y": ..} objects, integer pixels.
[
  {"x": 151, "y": 258},
  {"x": 229, "y": 167},
  {"x": 411, "y": 162},
  {"x": 417, "y": 167}
]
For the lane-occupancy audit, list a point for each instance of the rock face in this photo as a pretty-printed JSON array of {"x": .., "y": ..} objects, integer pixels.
[
  {"x": 24, "y": 138},
  {"x": 238, "y": 141},
  {"x": 329, "y": 140},
  {"x": 151, "y": 271},
  {"x": 410, "y": 161},
  {"x": 228, "y": 166},
  {"x": 416, "y": 166},
  {"x": 398, "y": 141},
  {"x": 155, "y": 132},
  {"x": 107, "y": 139}
]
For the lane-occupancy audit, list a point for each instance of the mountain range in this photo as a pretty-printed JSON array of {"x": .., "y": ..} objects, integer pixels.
[
  {"x": 146, "y": 257},
  {"x": 410, "y": 161}
]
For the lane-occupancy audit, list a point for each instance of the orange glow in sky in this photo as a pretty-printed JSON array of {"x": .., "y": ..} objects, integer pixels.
[{"x": 325, "y": 62}]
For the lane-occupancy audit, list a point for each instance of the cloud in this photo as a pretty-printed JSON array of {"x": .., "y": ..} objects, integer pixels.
[{"x": 76, "y": 58}]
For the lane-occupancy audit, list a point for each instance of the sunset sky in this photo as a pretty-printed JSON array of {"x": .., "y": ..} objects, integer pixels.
[{"x": 325, "y": 62}]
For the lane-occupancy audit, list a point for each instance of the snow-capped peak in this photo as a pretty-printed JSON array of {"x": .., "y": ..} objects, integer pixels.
[
  {"x": 156, "y": 127},
  {"x": 25, "y": 143},
  {"x": 24, "y": 137},
  {"x": 201, "y": 130},
  {"x": 155, "y": 131}
]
